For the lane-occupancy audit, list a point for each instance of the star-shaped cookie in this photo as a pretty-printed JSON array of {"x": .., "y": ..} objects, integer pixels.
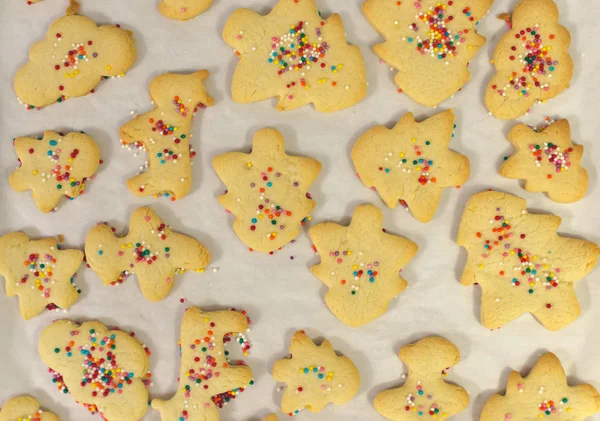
[
  {"x": 315, "y": 376},
  {"x": 424, "y": 393},
  {"x": 164, "y": 133},
  {"x": 360, "y": 264},
  {"x": 205, "y": 371},
  {"x": 151, "y": 250},
  {"x": 25, "y": 408},
  {"x": 548, "y": 162},
  {"x": 531, "y": 60},
  {"x": 54, "y": 167},
  {"x": 38, "y": 272},
  {"x": 520, "y": 262},
  {"x": 267, "y": 191},
  {"x": 295, "y": 55},
  {"x": 429, "y": 43},
  {"x": 543, "y": 393},
  {"x": 411, "y": 163},
  {"x": 183, "y": 9}
]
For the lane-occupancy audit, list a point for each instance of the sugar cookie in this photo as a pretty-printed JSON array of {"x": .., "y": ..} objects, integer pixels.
[
  {"x": 295, "y": 55},
  {"x": 183, "y": 9},
  {"x": 25, "y": 408},
  {"x": 267, "y": 191},
  {"x": 411, "y": 163},
  {"x": 360, "y": 264},
  {"x": 520, "y": 262},
  {"x": 315, "y": 376},
  {"x": 424, "y": 393},
  {"x": 151, "y": 250}
]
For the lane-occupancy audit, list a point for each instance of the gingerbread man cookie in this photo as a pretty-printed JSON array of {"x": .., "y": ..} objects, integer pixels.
[
  {"x": 205, "y": 372},
  {"x": 75, "y": 56},
  {"x": 520, "y": 262},
  {"x": 315, "y": 376},
  {"x": 360, "y": 264},
  {"x": 531, "y": 60},
  {"x": 183, "y": 9},
  {"x": 54, "y": 166},
  {"x": 267, "y": 191},
  {"x": 40, "y": 273},
  {"x": 544, "y": 392},
  {"x": 165, "y": 134},
  {"x": 151, "y": 250},
  {"x": 548, "y": 162},
  {"x": 411, "y": 163},
  {"x": 429, "y": 43},
  {"x": 25, "y": 408},
  {"x": 104, "y": 370},
  {"x": 424, "y": 393},
  {"x": 295, "y": 55}
]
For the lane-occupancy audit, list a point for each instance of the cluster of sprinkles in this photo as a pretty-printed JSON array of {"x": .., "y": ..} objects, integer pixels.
[
  {"x": 36, "y": 416},
  {"x": 405, "y": 163},
  {"x": 360, "y": 270},
  {"x": 323, "y": 376},
  {"x": 551, "y": 153},
  {"x": 537, "y": 64},
  {"x": 432, "y": 409},
  {"x": 531, "y": 271},
  {"x": 549, "y": 407}
]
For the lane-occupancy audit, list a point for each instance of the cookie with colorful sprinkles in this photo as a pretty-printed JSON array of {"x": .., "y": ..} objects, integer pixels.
[
  {"x": 206, "y": 373},
  {"x": 520, "y": 262},
  {"x": 548, "y": 161},
  {"x": 411, "y": 164},
  {"x": 105, "y": 370},
  {"x": 183, "y": 9},
  {"x": 295, "y": 55},
  {"x": 424, "y": 392},
  {"x": 429, "y": 43},
  {"x": 151, "y": 250},
  {"x": 25, "y": 408},
  {"x": 267, "y": 191},
  {"x": 532, "y": 61},
  {"x": 54, "y": 166},
  {"x": 75, "y": 56},
  {"x": 544, "y": 392},
  {"x": 39, "y": 273},
  {"x": 315, "y": 376},
  {"x": 361, "y": 265}
]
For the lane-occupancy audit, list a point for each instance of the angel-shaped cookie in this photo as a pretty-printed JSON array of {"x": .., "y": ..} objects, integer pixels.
[
  {"x": 151, "y": 250},
  {"x": 267, "y": 191},
  {"x": 296, "y": 56},
  {"x": 532, "y": 61},
  {"x": 38, "y": 272},
  {"x": 360, "y": 264},
  {"x": 183, "y": 9},
  {"x": 411, "y": 163},
  {"x": 205, "y": 371},
  {"x": 315, "y": 376},
  {"x": 548, "y": 162},
  {"x": 164, "y": 133},
  {"x": 429, "y": 43},
  {"x": 25, "y": 408},
  {"x": 424, "y": 393},
  {"x": 54, "y": 167},
  {"x": 544, "y": 392},
  {"x": 520, "y": 262},
  {"x": 104, "y": 370}
]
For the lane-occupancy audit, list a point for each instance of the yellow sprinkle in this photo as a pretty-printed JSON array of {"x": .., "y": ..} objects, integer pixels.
[
  {"x": 348, "y": 252},
  {"x": 206, "y": 319},
  {"x": 492, "y": 61},
  {"x": 70, "y": 159},
  {"x": 201, "y": 270},
  {"x": 35, "y": 172},
  {"x": 401, "y": 155},
  {"x": 413, "y": 140},
  {"x": 108, "y": 67},
  {"x": 129, "y": 245},
  {"x": 480, "y": 266}
]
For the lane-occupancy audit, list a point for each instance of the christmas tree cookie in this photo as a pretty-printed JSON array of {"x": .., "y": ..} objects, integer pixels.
[{"x": 25, "y": 408}]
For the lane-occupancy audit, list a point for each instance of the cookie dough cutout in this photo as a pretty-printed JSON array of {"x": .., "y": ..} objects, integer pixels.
[
  {"x": 548, "y": 162},
  {"x": 39, "y": 273},
  {"x": 411, "y": 163},
  {"x": 295, "y": 55},
  {"x": 54, "y": 166},
  {"x": 75, "y": 56},
  {"x": 520, "y": 262},
  {"x": 164, "y": 133},
  {"x": 104, "y": 370},
  {"x": 531, "y": 60},
  {"x": 360, "y": 264},
  {"x": 25, "y": 408},
  {"x": 271, "y": 417},
  {"x": 544, "y": 392},
  {"x": 151, "y": 250},
  {"x": 315, "y": 376},
  {"x": 267, "y": 191},
  {"x": 425, "y": 393},
  {"x": 183, "y": 9},
  {"x": 428, "y": 72},
  {"x": 205, "y": 371}
]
